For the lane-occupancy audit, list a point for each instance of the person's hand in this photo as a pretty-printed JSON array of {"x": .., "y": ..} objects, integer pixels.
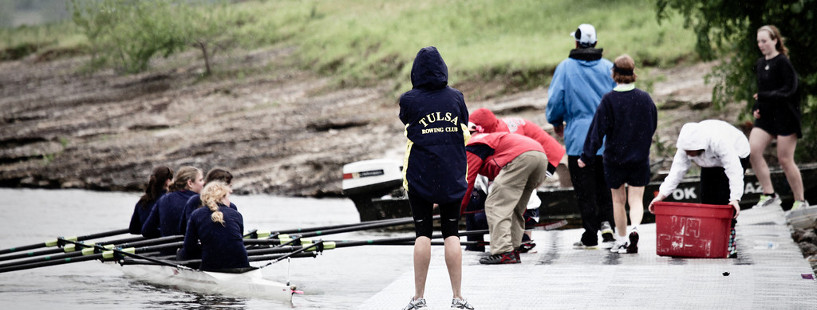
[
  {"x": 736, "y": 205},
  {"x": 754, "y": 96},
  {"x": 756, "y": 114},
  {"x": 657, "y": 198},
  {"x": 559, "y": 129},
  {"x": 581, "y": 163}
]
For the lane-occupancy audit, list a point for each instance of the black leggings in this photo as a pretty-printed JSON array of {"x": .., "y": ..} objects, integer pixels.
[{"x": 423, "y": 212}]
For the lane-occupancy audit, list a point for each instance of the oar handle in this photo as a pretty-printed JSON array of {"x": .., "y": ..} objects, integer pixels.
[{"x": 53, "y": 242}]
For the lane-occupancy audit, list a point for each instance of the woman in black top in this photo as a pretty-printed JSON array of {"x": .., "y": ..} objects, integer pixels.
[{"x": 777, "y": 115}]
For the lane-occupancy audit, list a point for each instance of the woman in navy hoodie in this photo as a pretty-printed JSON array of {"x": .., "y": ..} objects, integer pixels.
[
  {"x": 436, "y": 124},
  {"x": 164, "y": 217},
  {"x": 156, "y": 187},
  {"x": 220, "y": 230}
]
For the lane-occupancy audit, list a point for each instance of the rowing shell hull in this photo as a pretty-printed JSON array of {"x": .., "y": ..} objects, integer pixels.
[{"x": 248, "y": 284}]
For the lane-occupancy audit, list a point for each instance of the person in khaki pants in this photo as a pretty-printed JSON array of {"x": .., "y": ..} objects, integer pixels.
[{"x": 517, "y": 165}]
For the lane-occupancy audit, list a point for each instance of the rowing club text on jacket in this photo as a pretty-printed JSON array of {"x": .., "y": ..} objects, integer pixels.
[{"x": 435, "y": 119}]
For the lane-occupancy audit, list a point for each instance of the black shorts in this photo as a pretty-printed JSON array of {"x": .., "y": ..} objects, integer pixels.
[
  {"x": 632, "y": 174},
  {"x": 779, "y": 122},
  {"x": 423, "y": 212}
]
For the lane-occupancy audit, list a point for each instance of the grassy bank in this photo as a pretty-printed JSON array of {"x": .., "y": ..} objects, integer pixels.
[{"x": 364, "y": 41}]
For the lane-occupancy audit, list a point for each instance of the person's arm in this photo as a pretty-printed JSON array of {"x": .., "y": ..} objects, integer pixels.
[
  {"x": 135, "y": 226},
  {"x": 190, "y": 248},
  {"x": 596, "y": 132},
  {"x": 787, "y": 90},
  {"x": 734, "y": 172},
  {"x": 555, "y": 109},
  {"x": 680, "y": 165},
  {"x": 474, "y": 164},
  {"x": 150, "y": 228}
]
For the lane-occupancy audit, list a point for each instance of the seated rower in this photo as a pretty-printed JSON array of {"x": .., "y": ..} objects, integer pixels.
[
  {"x": 194, "y": 202},
  {"x": 216, "y": 232}
]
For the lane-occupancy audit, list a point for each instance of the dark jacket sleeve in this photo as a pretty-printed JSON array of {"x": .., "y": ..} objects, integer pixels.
[
  {"x": 191, "y": 248},
  {"x": 597, "y": 131},
  {"x": 135, "y": 226},
  {"x": 150, "y": 228}
]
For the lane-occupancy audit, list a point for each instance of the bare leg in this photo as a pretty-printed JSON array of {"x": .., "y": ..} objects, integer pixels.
[
  {"x": 453, "y": 260},
  {"x": 635, "y": 197},
  {"x": 759, "y": 139},
  {"x": 785, "y": 154},
  {"x": 422, "y": 257},
  {"x": 619, "y": 212}
]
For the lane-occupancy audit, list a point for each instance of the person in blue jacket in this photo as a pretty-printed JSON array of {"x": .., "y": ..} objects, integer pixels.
[
  {"x": 164, "y": 216},
  {"x": 575, "y": 92},
  {"x": 436, "y": 125},
  {"x": 215, "y": 233},
  {"x": 156, "y": 187},
  {"x": 215, "y": 174}
]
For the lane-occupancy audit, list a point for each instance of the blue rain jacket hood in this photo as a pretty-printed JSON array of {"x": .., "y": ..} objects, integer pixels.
[{"x": 575, "y": 92}]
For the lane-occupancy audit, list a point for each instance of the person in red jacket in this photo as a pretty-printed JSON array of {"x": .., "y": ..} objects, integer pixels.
[
  {"x": 483, "y": 120},
  {"x": 517, "y": 165}
]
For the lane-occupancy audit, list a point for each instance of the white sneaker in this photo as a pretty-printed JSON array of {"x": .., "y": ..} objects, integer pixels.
[
  {"x": 797, "y": 204},
  {"x": 620, "y": 247},
  {"x": 457, "y": 303},
  {"x": 766, "y": 200},
  {"x": 416, "y": 304}
]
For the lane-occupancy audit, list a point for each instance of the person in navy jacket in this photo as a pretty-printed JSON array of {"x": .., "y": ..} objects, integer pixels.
[
  {"x": 164, "y": 216},
  {"x": 215, "y": 233},
  {"x": 625, "y": 123},
  {"x": 157, "y": 185},
  {"x": 215, "y": 174},
  {"x": 436, "y": 125}
]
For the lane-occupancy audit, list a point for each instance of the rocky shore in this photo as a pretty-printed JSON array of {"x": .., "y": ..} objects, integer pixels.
[{"x": 279, "y": 130}]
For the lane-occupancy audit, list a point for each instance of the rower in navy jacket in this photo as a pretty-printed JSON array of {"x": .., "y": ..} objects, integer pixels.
[
  {"x": 156, "y": 187},
  {"x": 215, "y": 174},
  {"x": 164, "y": 217},
  {"x": 219, "y": 229}
]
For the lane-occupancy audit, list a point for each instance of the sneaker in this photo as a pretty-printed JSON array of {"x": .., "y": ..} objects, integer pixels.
[
  {"x": 526, "y": 246},
  {"x": 797, "y": 204},
  {"x": 607, "y": 239},
  {"x": 502, "y": 258},
  {"x": 767, "y": 200},
  {"x": 619, "y": 247},
  {"x": 416, "y": 304},
  {"x": 457, "y": 303},
  {"x": 581, "y": 246},
  {"x": 633, "y": 246}
]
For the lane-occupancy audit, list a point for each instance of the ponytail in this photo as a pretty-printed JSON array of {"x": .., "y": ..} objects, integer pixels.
[{"x": 211, "y": 195}]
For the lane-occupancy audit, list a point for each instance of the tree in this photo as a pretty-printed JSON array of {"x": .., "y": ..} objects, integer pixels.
[
  {"x": 726, "y": 29},
  {"x": 129, "y": 33}
]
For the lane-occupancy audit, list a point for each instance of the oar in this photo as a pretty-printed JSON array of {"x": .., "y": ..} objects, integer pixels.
[
  {"x": 107, "y": 254},
  {"x": 72, "y": 250},
  {"x": 362, "y": 226},
  {"x": 128, "y": 252},
  {"x": 50, "y": 243},
  {"x": 60, "y": 250}
]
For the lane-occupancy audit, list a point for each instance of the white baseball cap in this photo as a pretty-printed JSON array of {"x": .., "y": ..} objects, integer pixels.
[{"x": 585, "y": 34}]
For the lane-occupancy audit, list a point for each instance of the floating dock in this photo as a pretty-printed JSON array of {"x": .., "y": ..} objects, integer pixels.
[{"x": 769, "y": 273}]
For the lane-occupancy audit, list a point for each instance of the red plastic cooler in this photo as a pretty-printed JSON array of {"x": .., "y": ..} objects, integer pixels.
[{"x": 692, "y": 229}]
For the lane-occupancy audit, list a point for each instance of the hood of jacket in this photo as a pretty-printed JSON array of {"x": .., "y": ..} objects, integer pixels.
[
  {"x": 429, "y": 70},
  {"x": 691, "y": 137},
  {"x": 485, "y": 120},
  {"x": 586, "y": 54}
]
